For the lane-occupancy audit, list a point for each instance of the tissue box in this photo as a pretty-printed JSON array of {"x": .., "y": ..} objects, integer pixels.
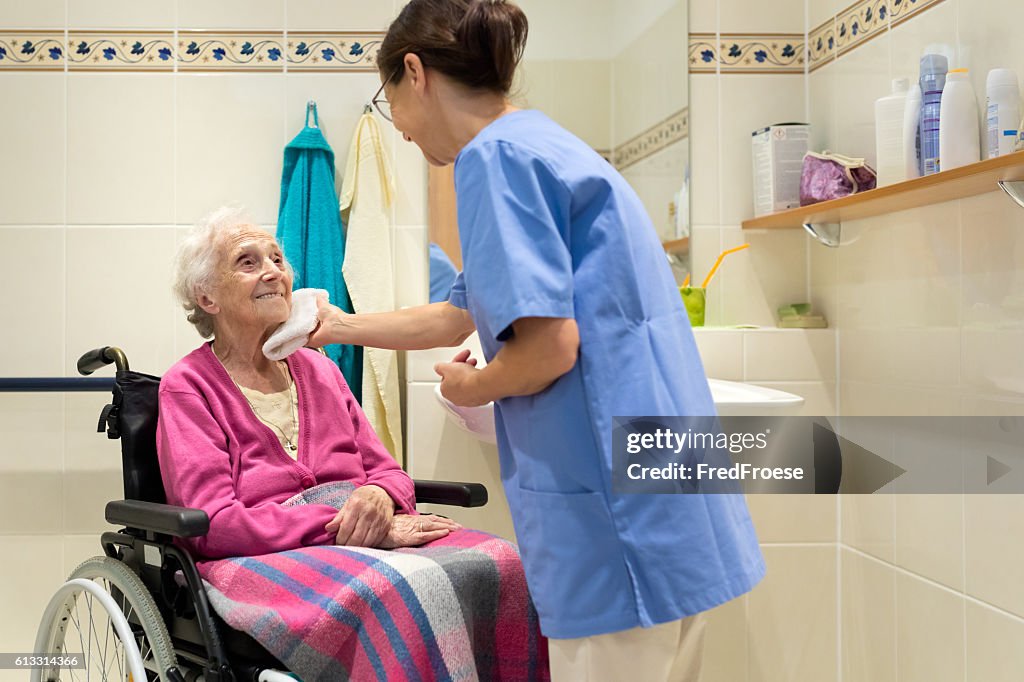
[{"x": 778, "y": 160}]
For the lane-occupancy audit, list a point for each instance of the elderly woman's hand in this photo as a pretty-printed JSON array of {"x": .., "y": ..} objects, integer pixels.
[
  {"x": 365, "y": 518},
  {"x": 409, "y": 530}
]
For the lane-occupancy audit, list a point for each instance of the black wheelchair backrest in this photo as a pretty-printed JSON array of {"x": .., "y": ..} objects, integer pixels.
[{"x": 132, "y": 417}]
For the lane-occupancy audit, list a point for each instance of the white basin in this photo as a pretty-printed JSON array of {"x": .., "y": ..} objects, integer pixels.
[{"x": 731, "y": 398}]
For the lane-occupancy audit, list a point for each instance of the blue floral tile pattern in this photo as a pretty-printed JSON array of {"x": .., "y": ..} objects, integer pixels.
[
  {"x": 38, "y": 51},
  {"x": 333, "y": 51},
  {"x": 88, "y": 50},
  {"x": 669, "y": 131},
  {"x": 745, "y": 53},
  {"x": 203, "y": 51}
]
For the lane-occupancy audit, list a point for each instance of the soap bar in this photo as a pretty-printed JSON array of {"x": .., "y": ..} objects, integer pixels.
[{"x": 803, "y": 322}]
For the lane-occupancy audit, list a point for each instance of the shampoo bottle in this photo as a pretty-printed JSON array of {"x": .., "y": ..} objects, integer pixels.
[
  {"x": 959, "y": 130},
  {"x": 1003, "y": 106},
  {"x": 933, "y": 80},
  {"x": 912, "y": 133},
  {"x": 889, "y": 147}
]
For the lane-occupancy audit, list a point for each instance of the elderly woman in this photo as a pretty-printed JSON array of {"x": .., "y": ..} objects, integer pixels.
[{"x": 240, "y": 434}]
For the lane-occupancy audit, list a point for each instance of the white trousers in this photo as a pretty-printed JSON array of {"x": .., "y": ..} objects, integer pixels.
[{"x": 669, "y": 652}]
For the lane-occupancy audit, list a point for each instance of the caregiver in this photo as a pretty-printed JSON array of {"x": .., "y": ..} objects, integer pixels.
[{"x": 579, "y": 318}]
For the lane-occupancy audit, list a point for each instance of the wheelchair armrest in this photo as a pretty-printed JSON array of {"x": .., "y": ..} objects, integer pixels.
[
  {"x": 179, "y": 522},
  {"x": 451, "y": 493}
]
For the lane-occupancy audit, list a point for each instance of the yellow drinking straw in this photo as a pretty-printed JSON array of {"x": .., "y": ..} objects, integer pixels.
[
  {"x": 686, "y": 282},
  {"x": 718, "y": 262}
]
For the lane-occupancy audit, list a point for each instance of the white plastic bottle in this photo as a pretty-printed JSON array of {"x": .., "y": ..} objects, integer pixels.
[
  {"x": 959, "y": 130},
  {"x": 912, "y": 133},
  {"x": 1003, "y": 107},
  {"x": 890, "y": 161}
]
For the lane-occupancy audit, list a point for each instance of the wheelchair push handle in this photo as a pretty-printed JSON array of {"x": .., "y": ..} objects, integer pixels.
[{"x": 100, "y": 357}]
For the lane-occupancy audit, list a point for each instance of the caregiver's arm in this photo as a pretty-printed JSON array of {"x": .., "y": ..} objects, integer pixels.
[
  {"x": 425, "y": 326},
  {"x": 540, "y": 351}
]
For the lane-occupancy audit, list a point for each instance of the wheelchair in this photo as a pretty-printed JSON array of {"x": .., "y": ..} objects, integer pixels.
[{"x": 140, "y": 611}]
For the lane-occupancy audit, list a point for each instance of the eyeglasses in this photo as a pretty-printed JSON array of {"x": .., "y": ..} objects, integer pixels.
[{"x": 380, "y": 102}]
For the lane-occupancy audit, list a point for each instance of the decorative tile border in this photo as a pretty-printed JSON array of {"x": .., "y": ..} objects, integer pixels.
[
  {"x": 189, "y": 51},
  {"x": 333, "y": 51},
  {"x": 747, "y": 53},
  {"x": 858, "y": 24},
  {"x": 36, "y": 51},
  {"x": 669, "y": 131},
  {"x": 100, "y": 51}
]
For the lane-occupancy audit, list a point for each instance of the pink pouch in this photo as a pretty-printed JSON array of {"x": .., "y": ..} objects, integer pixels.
[{"x": 831, "y": 176}]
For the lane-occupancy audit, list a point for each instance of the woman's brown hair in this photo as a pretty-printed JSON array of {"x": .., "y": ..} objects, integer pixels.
[{"x": 477, "y": 43}]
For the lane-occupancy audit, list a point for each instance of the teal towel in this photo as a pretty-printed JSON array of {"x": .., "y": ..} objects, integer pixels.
[{"x": 310, "y": 231}]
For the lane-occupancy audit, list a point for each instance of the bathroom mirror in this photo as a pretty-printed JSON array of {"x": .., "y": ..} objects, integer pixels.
[{"x": 614, "y": 72}]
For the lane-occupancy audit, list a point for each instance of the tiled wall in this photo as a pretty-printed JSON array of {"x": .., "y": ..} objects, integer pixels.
[
  {"x": 102, "y": 173},
  {"x": 927, "y": 308}
]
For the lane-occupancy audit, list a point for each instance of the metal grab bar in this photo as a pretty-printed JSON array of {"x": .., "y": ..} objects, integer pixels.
[{"x": 55, "y": 384}]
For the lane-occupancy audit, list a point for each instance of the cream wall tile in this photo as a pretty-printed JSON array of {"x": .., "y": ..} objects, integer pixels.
[
  {"x": 32, "y": 188},
  {"x": 30, "y": 575},
  {"x": 926, "y": 356},
  {"x": 86, "y": 493},
  {"x": 439, "y": 450},
  {"x": 581, "y": 100},
  {"x": 864, "y": 268},
  {"x": 780, "y": 98},
  {"x": 924, "y": 290},
  {"x": 121, "y": 14},
  {"x": 120, "y": 149},
  {"x": 861, "y": 76},
  {"x": 705, "y": 245},
  {"x": 985, "y": 406},
  {"x": 868, "y": 603},
  {"x": 819, "y": 396},
  {"x": 821, "y": 104},
  {"x": 36, "y": 255},
  {"x": 86, "y": 450},
  {"x": 346, "y": 15},
  {"x": 992, "y": 252},
  {"x": 882, "y": 399},
  {"x": 994, "y": 653},
  {"x": 631, "y": 19},
  {"x": 929, "y": 537},
  {"x": 790, "y": 355},
  {"x": 703, "y": 17},
  {"x": 929, "y": 632},
  {"x": 78, "y": 548},
  {"x": 992, "y": 362},
  {"x": 721, "y": 351},
  {"x": 30, "y": 474},
  {"x": 792, "y": 616},
  {"x": 756, "y": 281},
  {"x": 27, "y": 502},
  {"x": 725, "y": 643},
  {"x": 820, "y": 11},
  {"x": 231, "y": 14},
  {"x": 821, "y": 274},
  {"x": 793, "y": 518},
  {"x": 590, "y": 38},
  {"x": 868, "y": 524},
  {"x": 988, "y": 40},
  {"x": 995, "y": 523},
  {"x": 128, "y": 306},
  {"x": 46, "y": 14},
  {"x": 412, "y": 268},
  {"x": 937, "y": 25},
  {"x": 410, "y": 169},
  {"x": 230, "y": 132},
  {"x": 744, "y": 16},
  {"x": 705, "y": 146}
]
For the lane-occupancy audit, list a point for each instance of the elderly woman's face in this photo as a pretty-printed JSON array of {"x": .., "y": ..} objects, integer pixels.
[{"x": 253, "y": 286}]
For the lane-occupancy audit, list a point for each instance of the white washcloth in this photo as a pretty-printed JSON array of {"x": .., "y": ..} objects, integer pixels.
[
  {"x": 294, "y": 333},
  {"x": 366, "y": 194}
]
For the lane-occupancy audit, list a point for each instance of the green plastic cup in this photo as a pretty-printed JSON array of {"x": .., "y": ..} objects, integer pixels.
[{"x": 694, "y": 298}]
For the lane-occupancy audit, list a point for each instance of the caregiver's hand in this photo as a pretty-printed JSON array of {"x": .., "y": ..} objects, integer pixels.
[
  {"x": 456, "y": 380},
  {"x": 408, "y": 530},
  {"x": 329, "y": 325},
  {"x": 365, "y": 519}
]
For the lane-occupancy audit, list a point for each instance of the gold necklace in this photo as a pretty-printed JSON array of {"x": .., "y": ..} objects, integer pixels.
[{"x": 292, "y": 399}]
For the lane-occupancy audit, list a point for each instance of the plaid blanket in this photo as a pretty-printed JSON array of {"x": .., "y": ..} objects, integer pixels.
[{"x": 454, "y": 609}]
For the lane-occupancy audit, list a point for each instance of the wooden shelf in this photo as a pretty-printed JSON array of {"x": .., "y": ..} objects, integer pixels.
[
  {"x": 677, "y": 245},
  {"x": 958, "y": 183}
]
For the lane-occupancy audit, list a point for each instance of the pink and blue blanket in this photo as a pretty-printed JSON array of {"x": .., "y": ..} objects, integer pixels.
[{"x": 454, "y": 609}]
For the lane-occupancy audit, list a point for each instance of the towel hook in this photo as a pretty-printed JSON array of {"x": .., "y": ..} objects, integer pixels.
[
  {"x": 367, "y": 108},
  {"x": 311, "y": 108}
]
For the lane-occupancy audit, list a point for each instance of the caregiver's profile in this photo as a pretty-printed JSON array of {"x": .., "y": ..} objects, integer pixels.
[{"x": 579, "y": 318}]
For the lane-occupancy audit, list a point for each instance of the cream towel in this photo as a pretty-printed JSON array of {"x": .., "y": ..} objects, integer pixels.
[
  {"x": 366, "y": 193},
  {"x": 294, "y": 332}
]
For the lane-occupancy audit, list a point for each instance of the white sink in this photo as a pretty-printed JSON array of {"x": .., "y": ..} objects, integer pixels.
[{"x": 731, "y": 398}]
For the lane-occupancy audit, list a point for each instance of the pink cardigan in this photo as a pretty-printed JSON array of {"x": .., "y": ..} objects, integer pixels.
[{"x": 215, "y": 455}]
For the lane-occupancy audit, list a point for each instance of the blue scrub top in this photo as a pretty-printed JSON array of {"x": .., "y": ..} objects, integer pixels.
[{"x": 550, "y": 229}]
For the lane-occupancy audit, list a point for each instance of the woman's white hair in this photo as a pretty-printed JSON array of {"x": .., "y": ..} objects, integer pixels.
[{"x": 195, "y": 264}]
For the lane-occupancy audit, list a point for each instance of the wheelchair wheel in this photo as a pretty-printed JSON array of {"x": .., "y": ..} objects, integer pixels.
[{"x": 106, "y": 616}]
